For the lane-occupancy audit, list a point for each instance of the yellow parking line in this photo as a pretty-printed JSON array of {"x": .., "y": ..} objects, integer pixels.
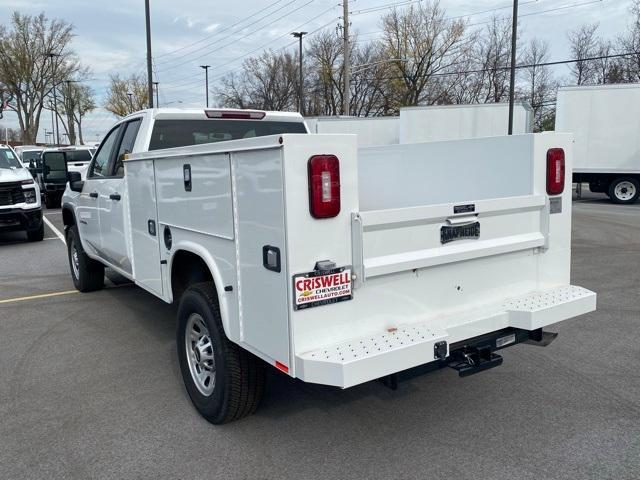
[{"x": 35, "y": 297}]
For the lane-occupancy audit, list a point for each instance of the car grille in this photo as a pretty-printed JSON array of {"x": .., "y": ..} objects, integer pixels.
[{"x": 11, "y": 194}]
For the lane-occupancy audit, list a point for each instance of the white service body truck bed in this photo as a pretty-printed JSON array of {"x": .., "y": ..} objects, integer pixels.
[
  {"x": 335, "y": 265},
  {"x": 409, "y": 291}
]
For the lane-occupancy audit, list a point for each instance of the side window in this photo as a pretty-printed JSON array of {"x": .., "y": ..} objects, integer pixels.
[
  {"x": 101, "y": 160},
  {"x": 126, "y": 146}
]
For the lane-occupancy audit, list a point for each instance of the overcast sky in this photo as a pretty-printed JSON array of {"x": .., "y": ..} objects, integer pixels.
[{"x": 110, "y": 35}]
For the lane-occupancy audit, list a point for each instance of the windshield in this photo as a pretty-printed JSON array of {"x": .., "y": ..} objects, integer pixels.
[
  {"x": 182, "y": 133},
  {"x": 8, "y": 160},
  {"x": 30, "y": 155},
  {"x": 78, "y": 156}
]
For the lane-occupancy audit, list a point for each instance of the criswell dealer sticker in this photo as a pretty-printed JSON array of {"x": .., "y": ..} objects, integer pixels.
[{"x": 317, "y": 288}]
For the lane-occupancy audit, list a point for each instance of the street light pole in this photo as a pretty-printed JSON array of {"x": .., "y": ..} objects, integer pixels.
[
  {"x": 299, "y": 36},
  {"x": 52, "y": 55},
  {"x": 130, "y": 102},
  {"x": 206, "y": 81},
  {"x": 155, "y": 85},
  {"x": 149, "y": 73},
  {"x": 512, "y": 82}
]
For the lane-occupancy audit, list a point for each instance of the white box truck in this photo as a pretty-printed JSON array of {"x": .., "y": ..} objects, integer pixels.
[
  {"x": 455, "y": 122},
  {"x": 371, "y": 131},
  {"x": 334, "y": 266},
  {"x": 606, "y": 126}
]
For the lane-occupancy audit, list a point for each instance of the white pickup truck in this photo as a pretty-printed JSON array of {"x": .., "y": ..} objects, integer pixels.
[{"x": 334, "y": 265}]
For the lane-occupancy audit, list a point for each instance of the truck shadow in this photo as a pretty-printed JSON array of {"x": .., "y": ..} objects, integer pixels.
[{"x": 284, "y": 395}]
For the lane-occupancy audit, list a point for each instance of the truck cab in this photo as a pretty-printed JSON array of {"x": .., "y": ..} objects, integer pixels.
[{"x": 97, "y": 198}]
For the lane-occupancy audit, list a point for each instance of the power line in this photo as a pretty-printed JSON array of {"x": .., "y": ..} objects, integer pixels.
[
  {"x": 550, "y": 10},
  {"x": 179, "y": 64},
  {"x": 285, "y": 46},
  {"x": 530, "y": 65},
  {"x": 172, "y": 52},
  {"x": 261, "y": 47}
]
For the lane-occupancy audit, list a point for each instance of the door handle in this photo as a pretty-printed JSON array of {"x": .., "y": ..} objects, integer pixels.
[
  {"x": 93, "y": 194},
  {"x": 115, "y": 196}
]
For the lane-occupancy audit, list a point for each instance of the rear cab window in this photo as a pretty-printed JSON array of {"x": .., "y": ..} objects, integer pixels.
[
  {"x": 185, "y": 132},
  {"x": 74, "y": 156}
]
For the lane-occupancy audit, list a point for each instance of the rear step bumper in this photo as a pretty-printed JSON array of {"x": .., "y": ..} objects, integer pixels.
[{"x": 374, "y": 356}]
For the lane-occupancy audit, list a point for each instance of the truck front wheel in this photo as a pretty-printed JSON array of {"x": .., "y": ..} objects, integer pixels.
[
  {"x": 224, "y": 381},
  {"x": 624, "y": 190},
  {"x": 87, "y": 274}
]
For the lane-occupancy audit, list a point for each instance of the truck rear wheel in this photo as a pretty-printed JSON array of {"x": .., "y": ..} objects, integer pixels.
[
  {"x": 624, "y": 190},
  {"x": 87, "y": 274},
  {"x": 224, "y": 381}
]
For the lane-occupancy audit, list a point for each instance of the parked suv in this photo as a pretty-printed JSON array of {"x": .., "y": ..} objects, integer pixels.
[{"x": 20, "y": 207}]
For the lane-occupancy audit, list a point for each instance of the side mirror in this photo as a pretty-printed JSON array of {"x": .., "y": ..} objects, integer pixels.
[{"x": 75, "y": 181}]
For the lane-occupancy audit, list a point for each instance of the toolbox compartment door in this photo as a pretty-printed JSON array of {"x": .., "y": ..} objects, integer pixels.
[{"x": 141, "y": 195}]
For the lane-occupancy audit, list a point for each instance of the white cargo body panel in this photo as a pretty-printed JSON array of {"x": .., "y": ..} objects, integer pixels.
[
  {"x": 454, "y": 122},
  {"x": 371, "y": 131},
  {"x": 410, "y": 288},
  {"x": 606, "y": 126}
]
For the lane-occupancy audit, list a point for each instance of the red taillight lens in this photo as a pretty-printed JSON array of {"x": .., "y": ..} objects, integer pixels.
[
  {"x": 235, "y": 114},
  {"x": 324, "y": 186},
  {"x": 555, "y": 171}
]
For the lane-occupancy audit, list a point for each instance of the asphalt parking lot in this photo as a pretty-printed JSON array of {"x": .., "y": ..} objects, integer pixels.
[{"x": 90, "y": 388}]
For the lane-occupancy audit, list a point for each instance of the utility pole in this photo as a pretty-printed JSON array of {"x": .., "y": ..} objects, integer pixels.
[
  {"x": 512, "y": 82},
  {"x": 299, "y": 36},
  {"x": 52, "y": 55},
  {"x": 149, "y": 73},
  {"x": 346, "y": 100},
  {"x": 155, "y": 86},
  {"x": 206, "y": 81}
]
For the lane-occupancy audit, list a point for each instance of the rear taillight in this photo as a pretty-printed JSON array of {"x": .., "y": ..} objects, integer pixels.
[
  {"x": 555, "y": 171},
  {"x": 324, "y": 186},
  {"x": 236, "y": 114}
]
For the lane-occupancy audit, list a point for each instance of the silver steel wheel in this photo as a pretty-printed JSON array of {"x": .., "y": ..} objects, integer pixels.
[
  {"x": 199, "y": 349},
  {"x": 625, "y": 191},
  {"x": 75, "y": 260}
]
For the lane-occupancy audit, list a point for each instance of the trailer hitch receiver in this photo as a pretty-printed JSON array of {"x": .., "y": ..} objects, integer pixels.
[{"x": 470, "y": 360}]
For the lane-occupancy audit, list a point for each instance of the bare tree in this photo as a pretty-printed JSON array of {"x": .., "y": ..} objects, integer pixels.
[
  {"x": 75, "y": 101},
  {"x": 35, "y": 52},
  {"x": 84, "y": 102},
  {"x": 539, "y": 86},
  {"x": 627, "y": 68},
  {"x": 584, "y": 44},
  {"x": 267, "y": 82},
  {"x": 419, "y": 42},
  {"x": 325, "y": 59},
  {"x": 127, "y": 95}
]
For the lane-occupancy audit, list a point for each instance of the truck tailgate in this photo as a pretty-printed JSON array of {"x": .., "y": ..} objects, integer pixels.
[{"x": 449, "y": 241}]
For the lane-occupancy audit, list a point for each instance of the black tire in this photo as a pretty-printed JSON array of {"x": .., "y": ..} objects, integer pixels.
[
  {"x": 239, "y": 375},
  {"x": 51, "y": 200},
  {"x": 36, "y": 235},
  {"x": 624, "y": 190},
  {"x": 90, "y": 274}
]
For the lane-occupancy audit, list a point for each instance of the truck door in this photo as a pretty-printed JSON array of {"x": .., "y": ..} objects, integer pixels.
[
  {"x": 54, "y": 176},
  {"x": 87, "y": 216},
  {"x": 113, "y": 202}
]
